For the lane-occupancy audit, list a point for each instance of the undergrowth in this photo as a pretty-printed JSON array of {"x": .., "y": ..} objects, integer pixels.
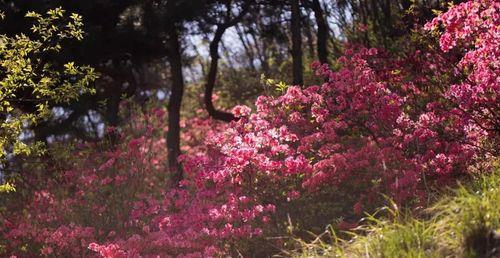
[{"x": 463, "y": 223}]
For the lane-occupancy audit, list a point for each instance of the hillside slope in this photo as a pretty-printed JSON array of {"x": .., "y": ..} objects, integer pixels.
[{"x": 464, "y": 223}]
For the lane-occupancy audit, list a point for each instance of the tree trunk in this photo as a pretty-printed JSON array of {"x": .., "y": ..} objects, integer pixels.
[
  {"x": 386, "y": 10},
  {"x": 247, "y": 47},
  {"x": 364, "y": 18},
  {"x": 296, "y": 44},
  {"x": 174, "y": 105},
  {"x": 212, "y": 75},
  {"x": 214, "y": 56},
  {"x": 308, "y": 32},
  {"x": 322, "y": 44},
  {"x": 261, "y": 51}
]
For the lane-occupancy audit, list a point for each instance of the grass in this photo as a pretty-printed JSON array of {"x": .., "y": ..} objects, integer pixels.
[{"x": 463, "y": 223}]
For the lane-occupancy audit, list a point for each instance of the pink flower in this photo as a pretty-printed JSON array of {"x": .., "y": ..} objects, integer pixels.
[{"x": 241, "y": 111}]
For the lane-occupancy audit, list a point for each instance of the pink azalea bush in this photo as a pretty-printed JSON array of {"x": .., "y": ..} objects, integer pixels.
[
  {"x": 474, "y": 28},
  {"x": 98, "y": 193},
  {"x": 398, "y": 126}
]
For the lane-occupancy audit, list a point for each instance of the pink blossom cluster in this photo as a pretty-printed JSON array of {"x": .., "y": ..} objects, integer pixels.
[
  {"x": 367, "y": 130},
  {"x": 473, "y": 27},
  {"x": 93, "y": 196},
  {"x": 379, "y": 124},
  {"x": 98, "y": 194}
]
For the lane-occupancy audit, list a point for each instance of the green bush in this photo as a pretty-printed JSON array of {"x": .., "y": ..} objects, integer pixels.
[{"x": 30, "y": 84}]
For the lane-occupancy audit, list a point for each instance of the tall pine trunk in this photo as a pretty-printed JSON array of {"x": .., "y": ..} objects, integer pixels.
[
  {"x": 296, "y": 44},
  {"x": 322, "y": 44},
  {"x": 174, "y": 105}
]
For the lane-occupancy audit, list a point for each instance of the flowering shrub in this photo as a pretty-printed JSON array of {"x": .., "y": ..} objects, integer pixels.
[
  {"x": 360, "y": 133},
  {"x": 474, "y": 28},
  {"x": 99, "y": 194},
  {"x": 379, "y": 124}
]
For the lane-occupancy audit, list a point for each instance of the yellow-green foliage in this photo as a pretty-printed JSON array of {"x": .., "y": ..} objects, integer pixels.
[
  {"x": 7, "y": 188},
  {"x": 465, "y": 223},
  {"x": 27, "y": 78}
]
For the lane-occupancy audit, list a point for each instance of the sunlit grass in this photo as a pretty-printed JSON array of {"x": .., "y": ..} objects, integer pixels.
[{"x": 464, "y": 223}]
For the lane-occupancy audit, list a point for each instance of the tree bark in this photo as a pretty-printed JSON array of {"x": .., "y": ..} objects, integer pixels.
[
  {"x": 261, "y": 51},
  {"x": 247, "y": 47},
  {"x": 212, "y": 74},
  {"x": 214, "y": 56},
  {"x": 322, "y": 44},
  {"x": 296, "y": 44},
  {"x": 308, "y": 32},
  {"x": 174, "y": 105}
]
